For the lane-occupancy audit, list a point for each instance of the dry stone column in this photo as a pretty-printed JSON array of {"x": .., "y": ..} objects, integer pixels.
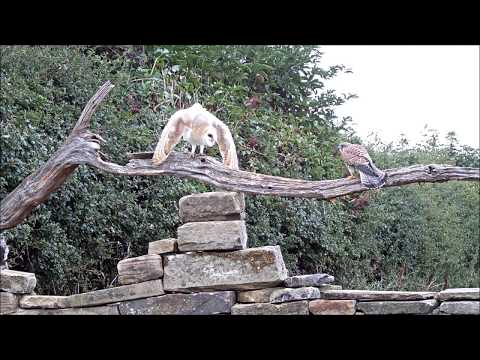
[
  {"x": 14, "y": 284},
  {"x": 213, "y": 243}
]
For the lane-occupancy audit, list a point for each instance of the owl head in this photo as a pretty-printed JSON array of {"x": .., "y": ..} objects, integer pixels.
[{"x": 210, "y": 136}]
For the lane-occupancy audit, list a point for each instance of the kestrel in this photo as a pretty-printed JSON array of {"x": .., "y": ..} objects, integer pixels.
[{"x": 356, "y": 158}]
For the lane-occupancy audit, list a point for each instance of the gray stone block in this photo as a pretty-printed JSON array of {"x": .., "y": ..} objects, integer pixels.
[
  {"x": 247, "y": 269},
  {"x": 17, "y": 282},
  {"x": 139, "y": 269},
  {"x": 204, "y": 303},
  {"x": 290, "y": 308},
  {"x": 211, "y": 206},
  {"x": 213, "y": 235}
]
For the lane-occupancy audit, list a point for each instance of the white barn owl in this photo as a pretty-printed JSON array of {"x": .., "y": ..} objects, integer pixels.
[{"x": 199, "y": 127}]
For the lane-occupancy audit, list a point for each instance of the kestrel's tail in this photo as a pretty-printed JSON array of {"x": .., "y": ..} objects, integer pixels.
[{"x": 371, "y": 176}]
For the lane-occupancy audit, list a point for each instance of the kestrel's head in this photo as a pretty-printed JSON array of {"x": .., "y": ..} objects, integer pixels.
[
  {"x": 210, "y": 136},
  {"x": 342, "y": 145}
]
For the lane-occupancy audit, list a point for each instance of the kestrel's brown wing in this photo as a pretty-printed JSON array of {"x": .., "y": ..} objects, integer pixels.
[
  {"x": 355, "y": 155},
  {"x": 226, "y": 145},
  {"x": 171, "y": 135}
]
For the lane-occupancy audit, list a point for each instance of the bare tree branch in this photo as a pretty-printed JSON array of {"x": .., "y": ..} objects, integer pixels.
[{"x": 211, "y": 171}]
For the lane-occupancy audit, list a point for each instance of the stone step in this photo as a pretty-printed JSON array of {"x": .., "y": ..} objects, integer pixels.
[
  {"x": 421, "y": 307},
  {"x": 163, "y": 246},
  {"x": 263, "y": 295},
  {"x": 256, "y": 296},
  {"x": 294, "y": 294},
  {"x": 459, "y": 308},
  {"x": 459, "y": 294},
  {"x": 17, "y": 282},
  {"x": 139, "y": 269},
  {"x": 211, "y": 206},
  {"x": 332, "y": 307},
  {"x": 247, "y": 269},
  {"x": 375, "y": 295},
  {"x": 44, "y": 302},
  {"x": 213, "y": 235},
  {"x": 328, "y": 287},
  {"x": 290, "y": 308},
  {"x": 96, "y": 310},
  {"x": 205, "y": 303},
  {"x": 120, "y": 293},
  {"x": 308, "y": 280},
  {"x": 8, "y": 303}
]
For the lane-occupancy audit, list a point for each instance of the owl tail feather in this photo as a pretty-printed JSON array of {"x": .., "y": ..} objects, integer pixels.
[{"x": 371, "y": 176}]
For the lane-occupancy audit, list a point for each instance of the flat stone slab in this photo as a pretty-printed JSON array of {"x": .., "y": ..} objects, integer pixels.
[
  {"x": 212, "y": 235},
  {"x": 290, "y": 308},
  {"x": 204, "y": 303},
  {"x": 17, "y": 282},
  {"x": 247, "y": 269},
  {"x": 308, "y": 280},
  {"x": 211, "y": 206},
  {"x": 96, "y": 310},
  {"x": 139, "y": 269},
  {"x": 328, "y": 287},
  {"x": 460, "y": 308},
  {"x": 263, "y": 295},
  {"x": 8, "y": 303},
  {"x": 332, "y": 307},
  {"x": 256, "y": 296},
  {"x": 289, "y": 294},
  {"x": 120, "y": 293},
  {"x": 366, "y": 295},
  {"x": 459, "y": 294},
  {"x": 397, "y": 307},
  {"x": 163, "y": 246},
  {"x": 43, "y": 302}
]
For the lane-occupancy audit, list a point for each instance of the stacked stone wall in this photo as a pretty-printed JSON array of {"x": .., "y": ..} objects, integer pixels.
[{"x": 208, "y": 269}]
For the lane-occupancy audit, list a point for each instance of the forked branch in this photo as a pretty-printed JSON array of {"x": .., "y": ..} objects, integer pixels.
[{"x": 37, "y": 187}]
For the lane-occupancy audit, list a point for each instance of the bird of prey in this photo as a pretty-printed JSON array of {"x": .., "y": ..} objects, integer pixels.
[
  {"x": 356, "y": 158},
  {"x": 199, "y": 127}
]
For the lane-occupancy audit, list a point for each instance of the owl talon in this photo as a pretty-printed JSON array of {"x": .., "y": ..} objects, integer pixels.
[{"x": 351, "y": 177}]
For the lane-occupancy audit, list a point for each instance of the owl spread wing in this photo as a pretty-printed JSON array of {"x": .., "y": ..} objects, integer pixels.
[
  {"x": 188, "y": 118},
  {"x": 226, "y": 145},
  {"x": 171, "y": 135}
]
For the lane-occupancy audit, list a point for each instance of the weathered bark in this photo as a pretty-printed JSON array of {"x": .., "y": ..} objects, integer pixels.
[
  {"x": 82, "y": 146},
  {"x": 211, "y": 171},
  {"x": 78, "y": 148}
]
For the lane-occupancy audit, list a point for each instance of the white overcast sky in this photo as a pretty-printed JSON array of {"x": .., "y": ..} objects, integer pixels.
[{"x": 402, "y": 88}]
